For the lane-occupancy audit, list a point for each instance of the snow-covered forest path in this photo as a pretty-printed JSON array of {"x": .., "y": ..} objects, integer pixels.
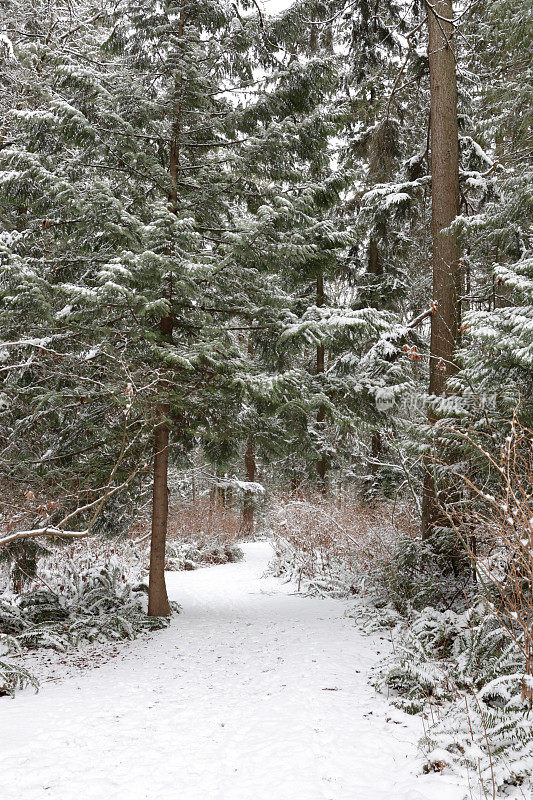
[{"x": 253, "y": 693}]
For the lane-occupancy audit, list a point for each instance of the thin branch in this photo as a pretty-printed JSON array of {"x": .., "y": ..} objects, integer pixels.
[{"x": 81, "y": 25}]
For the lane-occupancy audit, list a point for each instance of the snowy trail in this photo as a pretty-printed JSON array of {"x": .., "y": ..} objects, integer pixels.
[{"x": 252, "y": 693}]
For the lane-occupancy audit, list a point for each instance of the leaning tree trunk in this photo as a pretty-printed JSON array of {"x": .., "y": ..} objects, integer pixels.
[{"x": 445, "y": 207}]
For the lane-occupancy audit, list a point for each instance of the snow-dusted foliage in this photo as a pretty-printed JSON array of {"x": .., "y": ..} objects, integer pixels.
[
  {"x": 92, "y": 604},
  {"x": 466, "y": 673},
  {"x": 13, "y": 676},
  {"x": 217, "y": 225},
  {"x": 192, "y": 555}
]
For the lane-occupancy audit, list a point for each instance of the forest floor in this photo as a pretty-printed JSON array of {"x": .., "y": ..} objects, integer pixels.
[{"x": 254, "y": 692}]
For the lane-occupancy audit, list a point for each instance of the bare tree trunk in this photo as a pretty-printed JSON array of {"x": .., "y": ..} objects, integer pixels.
[
  {"x": 320, "y": 366},
  {"x": 376, "y": 449},
  {"x": 158, "y": 605},
  {"x": 445, "y": 207},
  {"x": 248, "y": 503},
  {"x": 375, "y": 267}
]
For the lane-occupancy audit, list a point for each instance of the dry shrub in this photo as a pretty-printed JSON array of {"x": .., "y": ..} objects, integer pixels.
[
  {"x": 201, "y": 522},
  {"x": 319, "y": 539},
  {"x": 204, "y": 531},
  {"x": 18, "y": 507},
  {"x": 205, "y": 521},
  {"x": 496, "y": 526}
]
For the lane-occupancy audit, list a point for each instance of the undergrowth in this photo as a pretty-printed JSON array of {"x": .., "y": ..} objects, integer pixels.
[
  {"x": 465, "y": 673},
  {"x": 94, "y": 590},
  {"x": 458, "y": 658},
  {"x": 330, "y": 548},
  {"x": 95, "y": 604}
]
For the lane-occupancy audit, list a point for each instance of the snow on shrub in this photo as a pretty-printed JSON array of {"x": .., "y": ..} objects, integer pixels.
[
  {"x": 13, "y": 677},
  {"x": 95, "y": 604},
  {"x": 94, "y": 590},
  {"x": 464, "y": 672},
  {"x": 181, "y": 555},
  {"x": 328, "y": 548}
]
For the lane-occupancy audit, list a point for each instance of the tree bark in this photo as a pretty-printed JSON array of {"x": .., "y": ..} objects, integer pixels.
[
  {"x": 248, "y": 503},
  {"x": 158, "y": 605},
  {"x": 376, "y": 449},
  {"x": 320, "y": 366},
  {"x": 375, "y": 267},
  {"x": 445, "y": 321}
]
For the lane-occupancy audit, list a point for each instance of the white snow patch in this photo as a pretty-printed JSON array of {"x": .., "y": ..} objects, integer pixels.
[{"x": 254, "y": 692}]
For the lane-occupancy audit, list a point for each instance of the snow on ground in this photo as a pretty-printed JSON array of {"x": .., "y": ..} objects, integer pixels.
[{"x": 253, "y": 693}]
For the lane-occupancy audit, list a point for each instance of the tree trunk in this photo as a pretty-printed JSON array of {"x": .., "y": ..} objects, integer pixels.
[
  {"x": 444, "y": 208},
  {"x": 375, "y": 267},
  {"x": 320, "y": 366},
  {"x": 158, "y": 605},
  {"x": 376, "y": 446},
  {"x": 248, "y": 503}
]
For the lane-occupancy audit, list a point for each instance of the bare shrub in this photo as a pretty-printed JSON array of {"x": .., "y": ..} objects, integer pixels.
[
  {"x": 495, "y": 523},
  {"x": 201, "y": 532},
  {"x": 205, "y": 522},
  {"x": 331, "y": 545}
]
